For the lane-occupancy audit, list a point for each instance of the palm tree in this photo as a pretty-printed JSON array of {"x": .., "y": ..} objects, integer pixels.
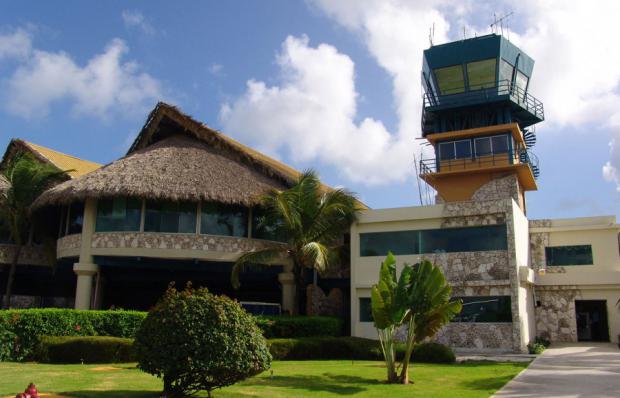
[
  {"x": 312, "y": 220},
  {"x": 26, "y": 179}
]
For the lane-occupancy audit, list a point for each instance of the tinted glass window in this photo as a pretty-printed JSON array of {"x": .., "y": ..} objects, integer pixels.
[
  {"x": 76, "y": 218},
  {"x": 260, "y": 228},
  {"x": 380, "y": 243},
  {"x": 446, "y": 150},
  {"x": 481, "y": 74},
  {"x": 445, "y": 240},
  {"x": 505, "y": 73},
  {"x": 569, "y": 255},
  {"x": 118, "y": 214},
  {"x": 450, "y": 80},
  {"x": 500, "y": 144},
  {"x": 485, "y": 309},
  {"x": 365, "y": 309},
  {"x": 483, "y": 146},
  {"x": 521, "y": 82},
  {"x": 174, "y": 217},
  {"x": 5, "y": 236},
  {"x": 63, "y": 221},
  {"x": 462, "y": 149},
  {"x": 221, "y": 219}
]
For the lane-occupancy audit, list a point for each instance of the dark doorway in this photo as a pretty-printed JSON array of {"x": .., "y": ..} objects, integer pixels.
[{"x": 592, "y": 320}]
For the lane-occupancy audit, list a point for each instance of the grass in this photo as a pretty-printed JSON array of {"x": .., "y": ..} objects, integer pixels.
[{"x": 285, "y": 379}]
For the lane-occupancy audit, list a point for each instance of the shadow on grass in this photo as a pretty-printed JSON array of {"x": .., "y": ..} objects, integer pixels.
[
  {"x": 327, "y": 382},
  {"x": 111, "y": 394},
  {"x": 487, "y": 383}
]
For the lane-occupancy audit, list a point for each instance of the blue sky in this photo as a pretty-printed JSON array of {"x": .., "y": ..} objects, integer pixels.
[{"x": 333, "y": 85}]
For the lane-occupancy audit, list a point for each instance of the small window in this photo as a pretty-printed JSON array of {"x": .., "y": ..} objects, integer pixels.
[
  {"x": 221, "y": 219},
  {"x": 569, "y": 255},
  {"x": 365, "y": 309},
  {"x": 483, "y": 146},
  {"x": 481, "y": 74},
  {"x": 485, "y": 309},
  {"x": 462, "y": 149},
  {"x": 171, "y": 217},
  {"x": 499, "y": 144},
  {"x": 446, "y": 150},
  {"x": 450, "y": 80}
]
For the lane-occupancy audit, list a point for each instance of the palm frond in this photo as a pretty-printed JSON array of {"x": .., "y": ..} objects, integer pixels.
[{"x": 264, "y": 256}]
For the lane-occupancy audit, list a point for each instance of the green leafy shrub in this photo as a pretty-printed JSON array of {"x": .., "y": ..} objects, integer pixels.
[
  {"x": 25, "y": 326},
  {"x": 325, "y": 348},
  {"x": 196, "y": 341},
  {"x": 433, "y": 353},
  {"x": 539, "y": 345},
  {"x": 84, "y": 349},
  {"x": 299, "y": 326}
]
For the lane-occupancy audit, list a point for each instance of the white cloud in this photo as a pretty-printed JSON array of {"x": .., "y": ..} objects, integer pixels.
[
  {"x": 310, "y": 114},
  {"x": 15, "y": 45},
  {"x": 611, "y": 169},
  {"x": 216, "y": 69},
  {"x": 135, "y": 19},
  {"x": 105, "y": 84}
]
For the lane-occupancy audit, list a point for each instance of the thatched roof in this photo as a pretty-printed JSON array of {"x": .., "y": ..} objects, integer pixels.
[
  {"x": 177, "y": 168},
  {"x": 4, "y": 184},
  {"x": 176, "y": 157},
  {"x": 74, "y": 166}
]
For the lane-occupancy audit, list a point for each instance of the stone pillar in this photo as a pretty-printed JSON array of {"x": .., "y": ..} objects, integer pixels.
[
  {"x": 86, "y": 268},
  {"x": 287, "y": 280}
]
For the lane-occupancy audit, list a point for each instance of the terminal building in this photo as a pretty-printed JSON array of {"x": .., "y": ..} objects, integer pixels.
[
  {"x": 184, "y": 202},
  {"x": 518, "y": 278}
]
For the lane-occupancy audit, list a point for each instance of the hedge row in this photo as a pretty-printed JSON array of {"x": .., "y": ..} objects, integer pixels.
[
  {"x": 84, "y": 349},
  {"x": 353, "y": 348},
  {"x": 71, "y": 349},
  {"x": 299, "y": 326},
  {"x": 20, "y": 329}
]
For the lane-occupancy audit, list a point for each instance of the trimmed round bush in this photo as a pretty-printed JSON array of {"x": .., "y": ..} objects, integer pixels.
[
  {"x": 432, "y": 353},
  {"x": 84, "y": 349},
  {"x": 195, "y": 341}
]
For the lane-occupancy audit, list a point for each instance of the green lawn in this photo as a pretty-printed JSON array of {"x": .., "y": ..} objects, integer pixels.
[{"x": 285, "y": 379}]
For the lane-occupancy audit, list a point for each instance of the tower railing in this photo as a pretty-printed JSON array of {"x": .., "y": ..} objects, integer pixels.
[
  {"x": 503, "y": 88},
  {"x": 519, "y": 156}
]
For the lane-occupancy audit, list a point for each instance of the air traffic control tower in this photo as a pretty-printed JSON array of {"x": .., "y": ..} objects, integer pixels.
[{"x": 479, "y": 116}]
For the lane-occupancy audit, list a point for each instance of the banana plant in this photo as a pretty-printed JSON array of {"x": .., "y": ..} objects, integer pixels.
[{"x": 418, "y": 299}]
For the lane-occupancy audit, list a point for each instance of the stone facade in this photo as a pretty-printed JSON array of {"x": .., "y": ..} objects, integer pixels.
[
  {"x": 140, "y": 240},
  {"x": 30, "y": 255},
  {"x": 473, "y": 266},
  {"x": 317, "y": 303},
  {"x": 538, "y": 242},
  {"x": 499, "y": 188},
  {"x": 68, "y": 246},
  {"x": 478, "y": 336},
  {"x": 556, "y": 319}
]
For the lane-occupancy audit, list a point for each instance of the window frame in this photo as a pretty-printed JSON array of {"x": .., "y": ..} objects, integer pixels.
[
  {"x": 483, "y": 85},
  {"x": 453, "y": 143},
  {"x": 450, "y": 91},
  {"x": 550, "y": 262}
]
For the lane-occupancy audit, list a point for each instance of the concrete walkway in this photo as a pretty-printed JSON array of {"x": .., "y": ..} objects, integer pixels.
[{"x": 569, "y": 370}]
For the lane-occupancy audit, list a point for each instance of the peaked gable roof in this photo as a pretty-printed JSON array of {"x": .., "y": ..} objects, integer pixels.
[{"x": 75, "y": 167}]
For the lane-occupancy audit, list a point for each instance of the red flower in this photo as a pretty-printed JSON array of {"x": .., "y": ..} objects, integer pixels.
[{"x": 78, "y": 328}]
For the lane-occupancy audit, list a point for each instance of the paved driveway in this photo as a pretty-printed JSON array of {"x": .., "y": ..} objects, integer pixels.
[{"x": 569, "y": 370}]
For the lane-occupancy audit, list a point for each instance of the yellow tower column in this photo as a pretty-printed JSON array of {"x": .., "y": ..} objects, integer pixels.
[{"x": 85, "y": 269}]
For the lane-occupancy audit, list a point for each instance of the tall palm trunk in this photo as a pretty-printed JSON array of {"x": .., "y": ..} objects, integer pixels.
[
  {"x": 300, "y": 282},
  {"x": 404, "y": 374},
  {"x": 11, "y": 278}
]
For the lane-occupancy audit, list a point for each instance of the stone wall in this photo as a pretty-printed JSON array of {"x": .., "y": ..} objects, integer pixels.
[
  {"x": 477, "y": 336},
  {"x": 318, "y": 303},
  {"x": 472, "y": 266},
  {"x": 538, "y": 242},
  {"x": 499, "y": 188},
  {"x": 555, "y": 317},
  {"x": 30, "y": 255},
  {"x": 139, "y": 240},
  {"x": 69, "y": 245}
]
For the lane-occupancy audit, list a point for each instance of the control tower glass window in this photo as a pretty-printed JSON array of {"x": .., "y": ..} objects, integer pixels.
[
  {"x": 450, "y": 80},
  {"x": 481, "y": 74},
  {"x": 455, "y": 150},
  {"x": 505, "y": 73},
  {"x": 521, "y": 82}
]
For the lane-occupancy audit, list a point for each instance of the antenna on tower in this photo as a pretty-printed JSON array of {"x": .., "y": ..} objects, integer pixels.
[
  {"x": 431, "y": 34},
  {"x": 499, "y": 22}
]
